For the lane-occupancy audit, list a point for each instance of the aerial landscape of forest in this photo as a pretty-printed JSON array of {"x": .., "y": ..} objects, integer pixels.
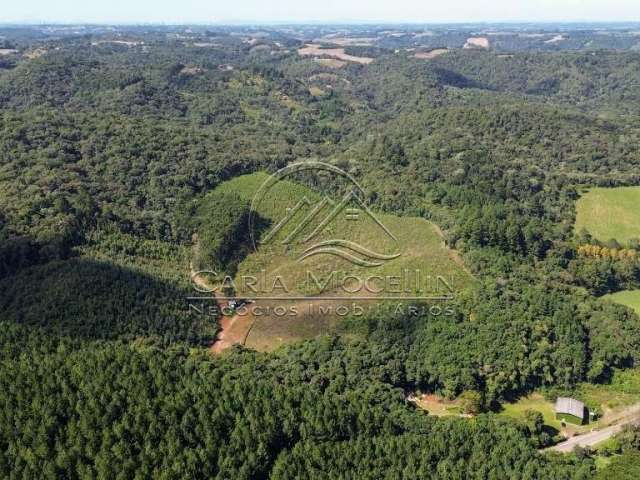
[{"x": 152, "y": 177}]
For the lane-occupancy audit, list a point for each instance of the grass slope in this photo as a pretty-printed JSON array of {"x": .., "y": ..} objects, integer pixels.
[
  {"x": 418, "y": 241},
  {"x": 609, "y": 213},
  {"x": 536, "y": 402},
  {"x": 614, "y": 400},
  {"x": 628, "y": 298}
]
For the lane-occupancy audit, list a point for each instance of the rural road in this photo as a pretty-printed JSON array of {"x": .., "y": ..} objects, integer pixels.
[
  {"x": 592, "y": 438},
  {"x": 587, "y": 439},
  {"x": 233, "y": 329}
]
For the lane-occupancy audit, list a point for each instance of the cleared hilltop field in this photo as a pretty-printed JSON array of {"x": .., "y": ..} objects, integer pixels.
[
  {"x": 318, "y": 51},
  {"x": 608, "y": 213},
  {"x": 414, "y": 245}
]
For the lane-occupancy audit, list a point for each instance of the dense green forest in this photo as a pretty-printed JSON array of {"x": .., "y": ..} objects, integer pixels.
[{"x": 110, "y": 147}]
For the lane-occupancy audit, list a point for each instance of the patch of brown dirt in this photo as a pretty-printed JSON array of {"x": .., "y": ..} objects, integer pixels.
[
  {"x": 316, "y": 51},
  {"x": 348, "y": 41},
  {"x": 234, "y": 329},
  {"x": 454, "y": 255},
  {"x": 477, "y": 42},
  {"x": 128, "y": 43},
  {"x": 431, "y": 54},
  {"x": 556, "y": 39},
  {"x": 38, "y": 52}
]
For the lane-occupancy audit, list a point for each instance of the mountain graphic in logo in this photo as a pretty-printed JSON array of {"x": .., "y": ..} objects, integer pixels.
[{"x": 316, "y": 226}]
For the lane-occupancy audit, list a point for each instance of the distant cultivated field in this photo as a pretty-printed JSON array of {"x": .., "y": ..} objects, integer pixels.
[
  {"x": 431, "y": 54},
  {"x": 477, "y": 42},
  {"x": 416, "y": 239},
  {"x": 629, "y": 298},
  {"x": 609, "y": 213},
  {"x": 339, "y": 53}
]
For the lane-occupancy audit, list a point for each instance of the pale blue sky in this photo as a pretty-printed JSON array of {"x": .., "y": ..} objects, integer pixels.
[{"x": 203, "y": 11}]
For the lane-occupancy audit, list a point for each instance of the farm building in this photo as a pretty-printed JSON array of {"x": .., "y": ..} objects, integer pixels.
[{"x": 571, "y": 410}]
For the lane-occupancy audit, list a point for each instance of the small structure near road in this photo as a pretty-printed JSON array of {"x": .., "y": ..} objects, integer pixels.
[{"x": 571, "y": 410}]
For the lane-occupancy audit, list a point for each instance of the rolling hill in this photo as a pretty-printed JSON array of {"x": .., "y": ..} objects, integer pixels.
[{"x": 405, "y": 260}]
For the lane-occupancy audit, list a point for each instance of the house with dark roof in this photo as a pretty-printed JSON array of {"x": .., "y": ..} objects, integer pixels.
[{"x": 571, "y": 410}]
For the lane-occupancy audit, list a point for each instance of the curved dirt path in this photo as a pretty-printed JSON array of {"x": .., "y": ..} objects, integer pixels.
[
  {"x": 233, "y": 329},
  {"x": 454, "y": 255}
]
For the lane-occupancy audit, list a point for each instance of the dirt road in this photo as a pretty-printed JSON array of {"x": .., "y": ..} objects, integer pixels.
[
  {"x": 233, "y": 329},
  {"x": 587, "y": 439},
  {"x": 454, "y": 255},
  {"x": 632, "y": 415}
]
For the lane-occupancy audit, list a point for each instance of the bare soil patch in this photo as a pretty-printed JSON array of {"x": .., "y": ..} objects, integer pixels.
[
  {"x": 316, "y": 51},
  {"x": 128, "y": 43},
  {"x": 436, "y": 405},
  {"x": 431, "y": 54},
  {"x": 38, "y": 52},
  {"x": 477, "y": 42},
  {"x": 234, "y": 329}
]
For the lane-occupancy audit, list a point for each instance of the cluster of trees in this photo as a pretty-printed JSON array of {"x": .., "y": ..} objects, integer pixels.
[
  {"x": 596, "y": 251},
  {"x": 514, "y": 337},
  {"x": 623, "y": 467},
  {"x": 605, "y": 275},
  {"x": 221, "y": 221},
  {"x": 314, "y": 411},
  {"x": 92, "y": 299},
  {"x": 623, "y": 454},
  {"x": 584, "y": 79},
  {"x": 415, "y": 455},
  {"x": 495, "y": 225}
]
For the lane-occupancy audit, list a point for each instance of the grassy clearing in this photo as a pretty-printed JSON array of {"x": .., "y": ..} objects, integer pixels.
[
  {"x": 614, "y": 401},
  {"x": 609, "y": 213},
  {"x": 280, "y": 323},
  {"x": 629, "y": 298},
  {"x": 602, "y": 462},
  {"x": 436, "y": 52},
  {"x": 316, "y": 91},
  {"x": 438, "y": 406},
  {"x": 623, "y": 390},
  {"x": 536, "y": 402},
  {"x": 415, "y": 241}
]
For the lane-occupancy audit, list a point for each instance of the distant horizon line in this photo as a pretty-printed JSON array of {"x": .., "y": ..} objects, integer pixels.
[{"x": 65, "y": 23}]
